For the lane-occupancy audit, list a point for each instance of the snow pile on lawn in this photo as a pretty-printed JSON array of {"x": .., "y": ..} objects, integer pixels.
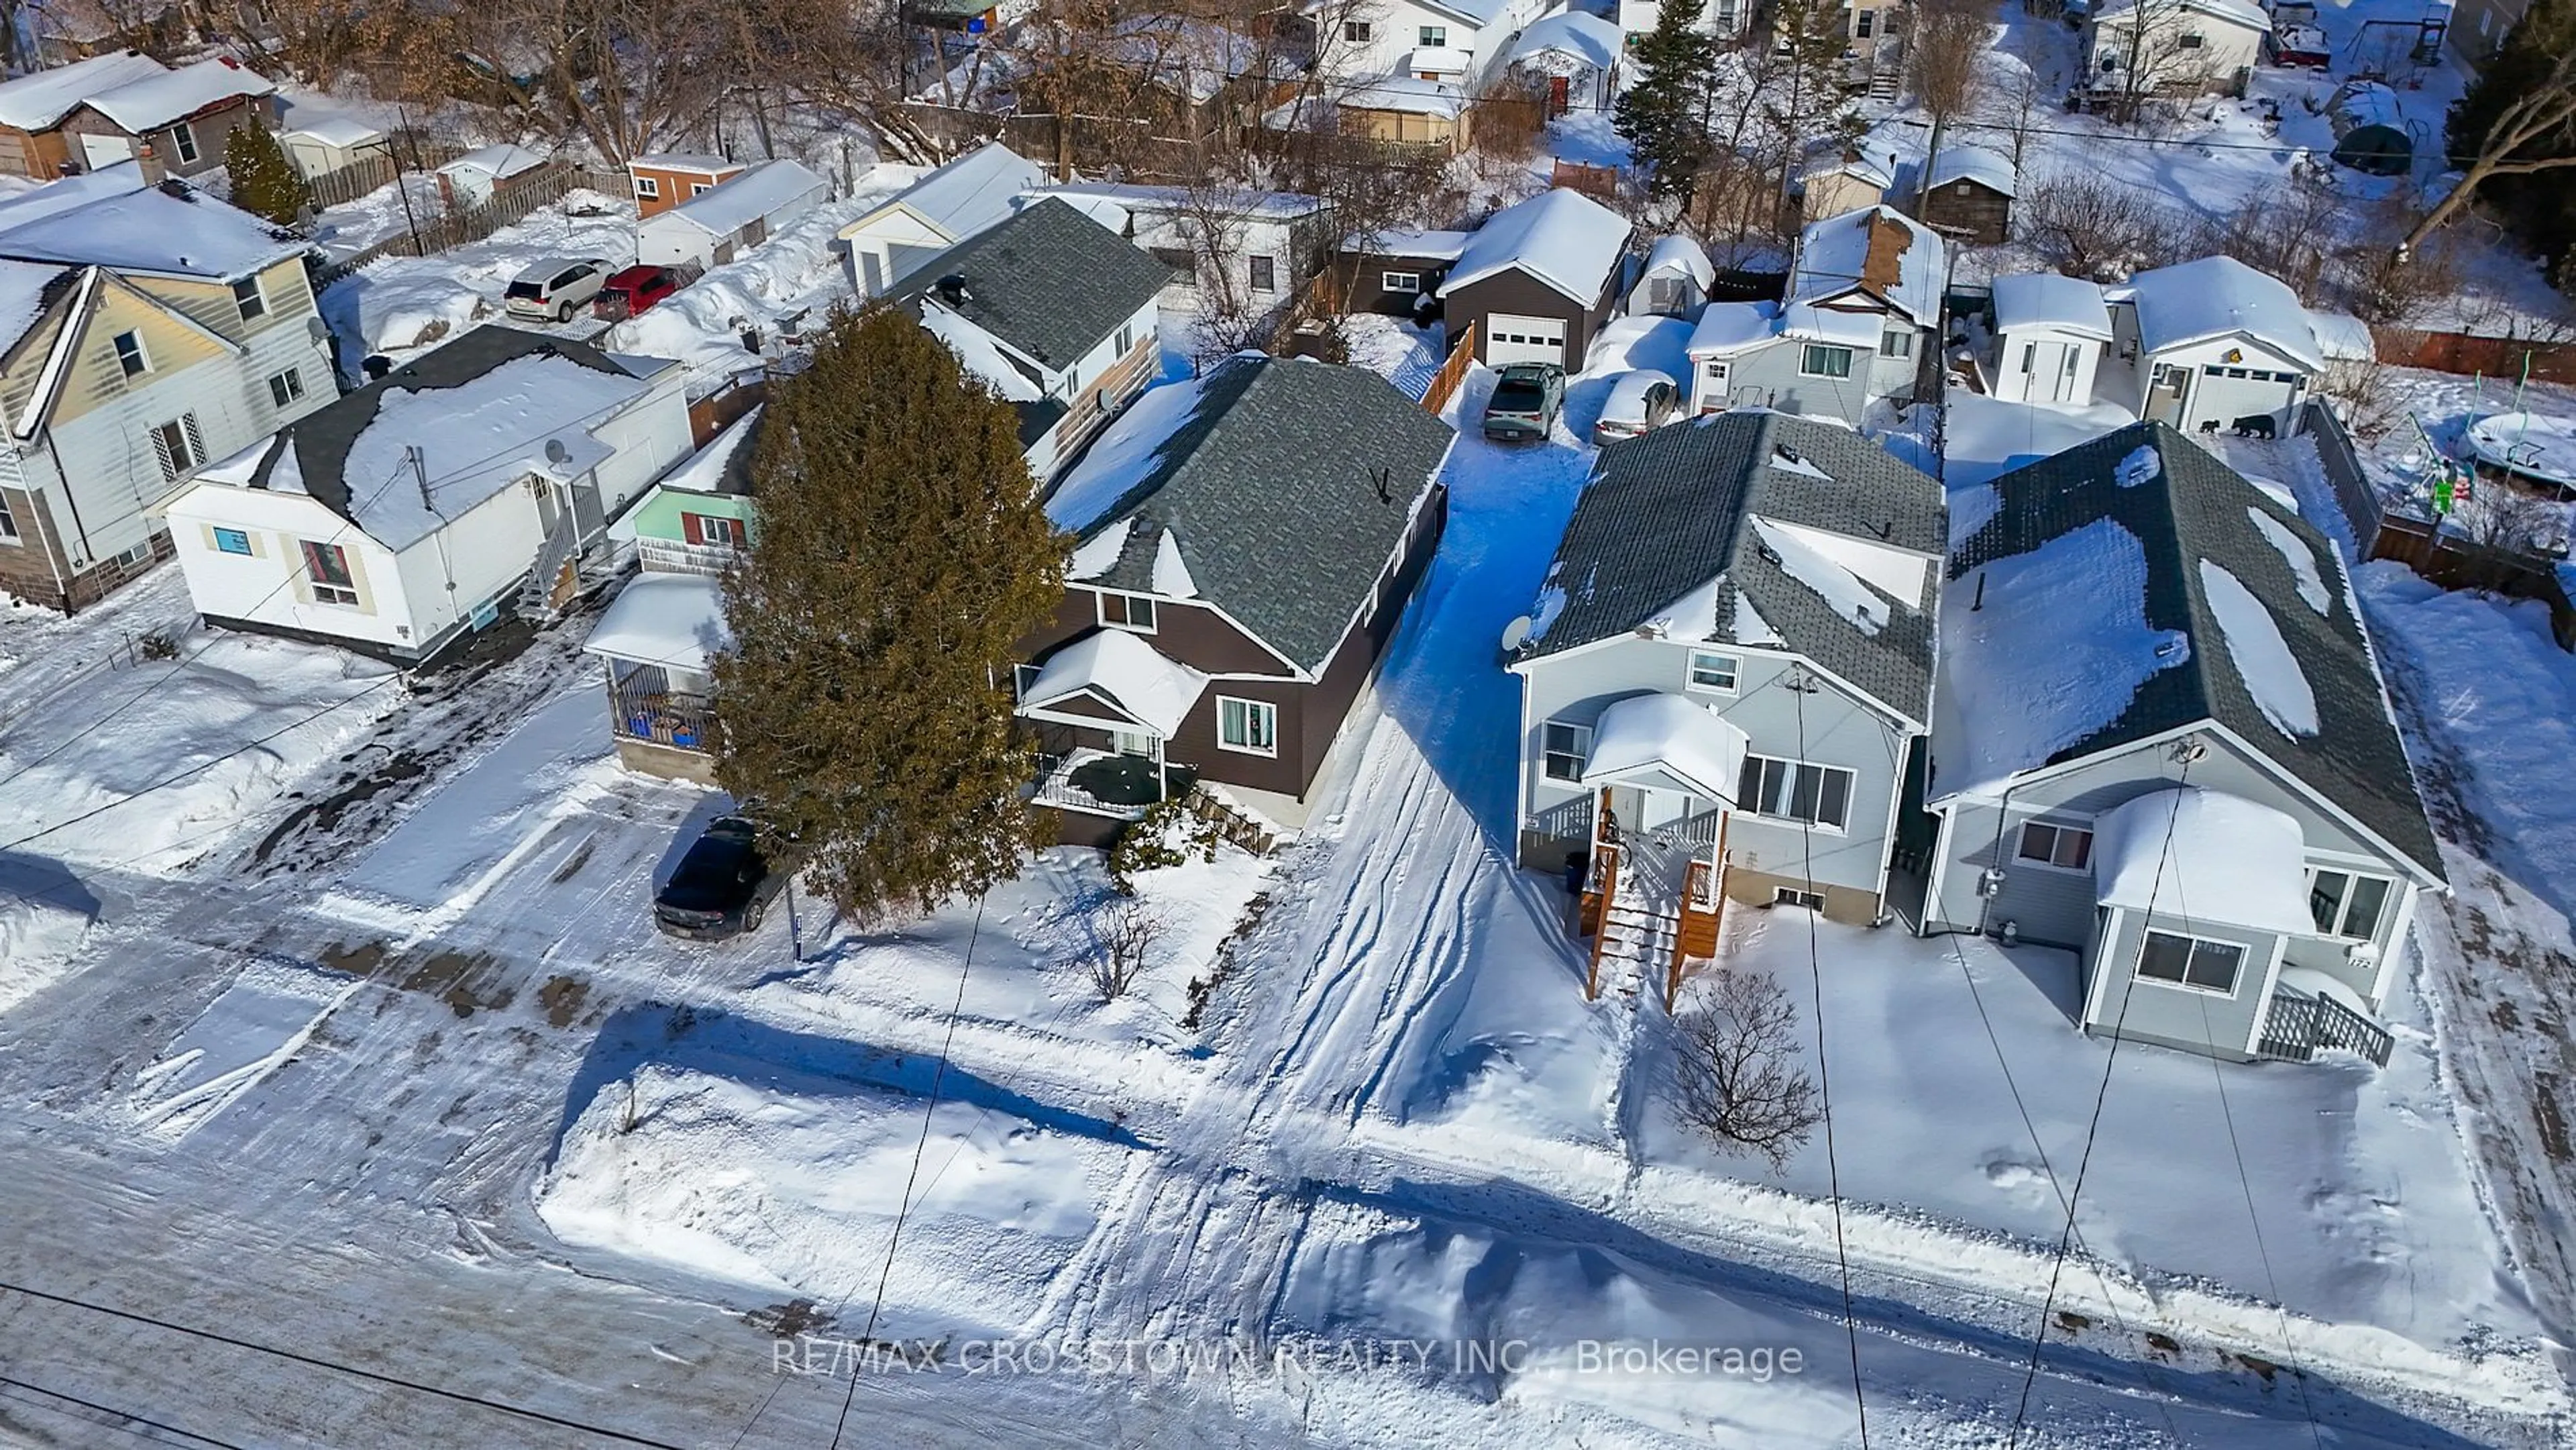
[
  {"x": 2260, "y": 655},
  {"x": 2203, "y": 855},
  {"x": 45, "y": 913},
  {"x": 402, "y": 304},
  {"x": 249, "y": 1031},
  {"x": 213, "y": 738},
  {"x": 2044, "y": 649},
  {"x": 788, "y": 1184}
]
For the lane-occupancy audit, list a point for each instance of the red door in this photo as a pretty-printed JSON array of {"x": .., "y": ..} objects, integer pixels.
[{"x": 1558, "y": 101}]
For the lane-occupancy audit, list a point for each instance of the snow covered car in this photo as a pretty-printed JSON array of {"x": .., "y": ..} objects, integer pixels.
[
  {"x": 554, "y": 289},
  {"x": 723, "y": 886},
  {"x": 1526, "y": 400},
  {"x": 1640, "y": 402}
]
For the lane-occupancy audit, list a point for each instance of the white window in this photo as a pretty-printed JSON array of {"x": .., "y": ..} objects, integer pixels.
[
  {"x": 1564, "y": 749},
  {"x": 2190, "y": 961},
  {"x": 1131, "y": 742},
  {"x": 1432, "y": 37},
  {"x": 648, "y": 187},
  {"x": 1265, "y": 273},
  {"x": 701, "y": 188},
  {"x": 1127, "y": 611},
  {"x": 8, "y": 521},
  {"x": 1399, "y": 282},
  {"x": 2348, "y": 905},
  {"x": 1126, "y": 338},
  {"x": 1358, "y": 32},
  {"x": 248, "y": 299},
  {"x": 286, "y": 387},
  {"x": 1896, "y": 342},
  {"x": 327, "y": 566},
  {"x": 130, "y": 355},
  {"x": 2067, "y": 847},
  {"x": 1711, "y": 670},
  {"x": 179, "y": 446},
  {"x": 1795, "y": 790},
  {"x": 1819, "y": 361},
  {"x": 186, "y": 141},
  {"x": 1250, "y": 726}
]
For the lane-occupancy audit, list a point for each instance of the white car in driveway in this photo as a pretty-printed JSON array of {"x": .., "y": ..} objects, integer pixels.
[
  {"x": 1639, "y": 402},
  {"x": 553, "y": 289}
]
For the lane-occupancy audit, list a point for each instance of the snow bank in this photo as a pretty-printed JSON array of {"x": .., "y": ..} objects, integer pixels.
[
  {"x": 2261, "y": 656},
  {"x": 2044, "y": 649}
]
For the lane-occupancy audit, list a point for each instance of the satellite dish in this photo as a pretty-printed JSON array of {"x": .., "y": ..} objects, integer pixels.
[
  {"x": 556, "y": 453},
  {"x": 1517, "y": 633}
]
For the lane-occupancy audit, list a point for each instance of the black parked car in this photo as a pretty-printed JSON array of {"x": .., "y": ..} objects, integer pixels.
[{"x": 723, "y": 886}]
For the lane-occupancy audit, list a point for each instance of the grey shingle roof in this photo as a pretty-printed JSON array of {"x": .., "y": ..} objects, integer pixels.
[
  {"x": 2195, "y": 510},
  {"x": 1048, "y": 281},
  {"x": 1269, "y": 487},
  {"x": 1665, "y": 513},
  {"x": 321, "y": 439}
]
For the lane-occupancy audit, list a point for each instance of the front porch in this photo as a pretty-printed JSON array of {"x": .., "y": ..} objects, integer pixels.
[{"x": 658, "y": 639}]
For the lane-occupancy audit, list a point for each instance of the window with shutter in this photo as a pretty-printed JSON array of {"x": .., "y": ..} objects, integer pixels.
[{"x": 693, "y": 528}]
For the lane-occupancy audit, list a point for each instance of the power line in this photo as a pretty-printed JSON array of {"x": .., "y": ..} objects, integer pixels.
[
  {"x": 2092, "y": 1130},
  {"x": 1798, "y": 688},
  {"x": 312, "y": 1361},
  {"x": 118, "y": 1420},
  {"x": 2122, "y": 137}
]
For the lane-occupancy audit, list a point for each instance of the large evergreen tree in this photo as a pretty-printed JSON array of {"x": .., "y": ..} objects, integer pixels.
[
  {"x": 902, "y": 552},
  {"x": 265, "y": 183},
  {"x": 1664, "y": 117}
]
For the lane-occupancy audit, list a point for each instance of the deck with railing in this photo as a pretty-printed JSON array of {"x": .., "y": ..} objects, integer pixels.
[
  {"x": 642, "y": 706},
  {"x": 2301, "y": 1024}
]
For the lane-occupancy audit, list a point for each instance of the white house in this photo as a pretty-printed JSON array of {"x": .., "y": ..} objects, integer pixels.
[
  {"x": 1864, "y": 305},
  {"x": 471, "y": 480},
  {"x": 1723, "y": 19},
  {"x": 2173, "y": 47},
  {"x": 2213, "y": 344},
  {"x": 470, "y": 179},
  {"x": 1577, "y": 56},
  {"x": 713, "y": 228},
  {"x": 1455, "y": 41},
  {"x": 1265, "y": 242},
  {"x": 935, "y": 213},
  {"x": 145, "y": 329},
  {"x": 2051, "y": 332}
]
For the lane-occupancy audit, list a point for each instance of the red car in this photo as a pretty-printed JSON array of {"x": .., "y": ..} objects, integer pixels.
[{"x": 636, "y": 290}]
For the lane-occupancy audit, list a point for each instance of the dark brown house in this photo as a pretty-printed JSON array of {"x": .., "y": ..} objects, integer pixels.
[
  {"x": 1538, "y": 280},
  {"x": 1246, "y": 544},
  {"x": 1968, "y": 192},
  {"x": 1397, "y": 273},
  {"x": 178, "y": 120}
]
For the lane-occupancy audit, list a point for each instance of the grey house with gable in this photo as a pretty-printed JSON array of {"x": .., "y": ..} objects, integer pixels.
[
  {"x": 2163, "y": 742},
  {"x": 1730, "y": 664}
]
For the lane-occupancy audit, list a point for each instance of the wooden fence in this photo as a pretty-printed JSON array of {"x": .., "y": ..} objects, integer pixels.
[
  {"x": 2466, "y": 353},
  {"x": 2446, "y": 559},
  {"x": 439, "y": 230},
  {"x": 1598, "y": 182},
  {"x": 1453, "y": 373}
]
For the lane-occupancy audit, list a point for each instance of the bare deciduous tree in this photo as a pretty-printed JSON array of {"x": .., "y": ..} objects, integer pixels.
[
  {"x": 2097, "y": 228},
  {"x": 2532, "y": 133},
  {"x": 1123, "y": 935},
  {"x": 1944, "y": 66},
  {"x": 1743, "y": 1079}
]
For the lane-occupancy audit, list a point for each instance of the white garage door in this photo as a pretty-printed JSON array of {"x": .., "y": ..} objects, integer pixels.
[
  {"x": 98, "y": 151},
  {"x": 1513, "y": 339}
]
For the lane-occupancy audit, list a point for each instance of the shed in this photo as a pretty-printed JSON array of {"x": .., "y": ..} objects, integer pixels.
[
  {"x": 941, "y": 209},
  {"x": 471, "y": 179},
  {"x": 1405, "y": 110},
  {"x": 2370, "y": 130},
  {"x": 2050, "y": 333},
  {"x": 712, "y": 229},
  {"x": 1538, "y": 279},
  {"x": 1398, "y": 271},
  {"x": 1675, "y": 280},
  {"x": 318, "y": 143},
  {"x": 180, "y": 118},
  {"x": 1846, "y": 181},
  {"x": 1576, "y": 55},
  {"x": 665, "y": 179},
  {"x": 1968, "y": 191}
]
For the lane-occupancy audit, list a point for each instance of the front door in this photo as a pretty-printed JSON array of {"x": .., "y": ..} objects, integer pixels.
[
  {"x": 1712, "y": 385},
  {"x": 2043, "y": 366},
  {"x": 1514, "y": 339},
  {"x": 2166, "y": 393}
]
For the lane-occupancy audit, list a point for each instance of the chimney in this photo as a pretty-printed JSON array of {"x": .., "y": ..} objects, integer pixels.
[{"x": 147, "y": 157}]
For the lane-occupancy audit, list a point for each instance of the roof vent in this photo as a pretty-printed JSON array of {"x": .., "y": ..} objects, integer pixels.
[{"x": 952, "y": 289}]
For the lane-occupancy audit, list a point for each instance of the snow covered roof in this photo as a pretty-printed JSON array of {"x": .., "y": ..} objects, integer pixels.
[
  {"x": 2204, "y": 856},
  {"x": 2235, "y": 12},
  {"x": 676, "y": 621},
  {"x": 110, "y": 218},
  {"x": 1238, "y": 201},
  {"x": 1048, "y": 282},
  {"x": 724, "y": 465},
  {"x": 152, "y": 102},
  {"x": 2134, "y": 586},
  {"x": 1665, "y": 740},
  {"x": 983, "y": 359},
  {"x": 765, "y": 190},
  {"x": 1231, "y": 467},
  {"x": 2049, "y": 299},
  {"x": 39, "y": 102},
  {"x": 1727, "y": 327},
  {"x": 1438, "y": 60},
  {"x": 2218, "y": 297},
  {"x": 1409, "y": 94},
  {"x": 966, "y": 195},
  {"x": 1588, "y": 38},
  {"x": 1120, "y": 668},
  {"x": 1877, "y": 251},
  {"x": 2342, "y": 337},
  {"x": 27, "y": 291},
  {"x": 1990, "y": 169},
  {"x": 498, "y": 162},
  {"x": 1851, "y": 163},
  {"x": 482, "y": 410},
  {"x": 332, "y": 128},
  {"x": 1677, "y": 253},
  {"x": 1810, "y": 323},
  {"x": 1746, "y": 509},
  {"x": 1560, "y": 237},
  {"x": 1408, "y": 242},
  {"x": 698, "y": 163}
]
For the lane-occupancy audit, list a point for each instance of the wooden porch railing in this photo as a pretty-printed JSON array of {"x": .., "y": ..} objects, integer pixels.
[
  {"x": 1596, "y": 911},
  {"x": 2299, "y": 1026}
]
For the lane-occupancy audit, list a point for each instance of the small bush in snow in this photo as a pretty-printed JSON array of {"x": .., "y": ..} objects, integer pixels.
[
  {"x": 1168, "y": 834},
  {"x": 158, "y": 645},
  {"x": 1124, "y": 932},
  {"x": 1743, "y": 1082}
]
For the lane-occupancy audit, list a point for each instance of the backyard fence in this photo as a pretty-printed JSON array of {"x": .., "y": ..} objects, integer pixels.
[
  {"x": 440, "y": 230},
  {"x": 1453, "y": 373},
  {"x": 2467, "y": 353},
  {"x": 2440, "y": 557}
]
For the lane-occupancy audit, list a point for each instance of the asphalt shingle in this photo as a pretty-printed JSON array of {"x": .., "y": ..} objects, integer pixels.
[{"x": 1049, "y": 281}]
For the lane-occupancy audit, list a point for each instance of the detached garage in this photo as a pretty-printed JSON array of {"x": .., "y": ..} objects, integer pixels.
[{"x": 1538, "y": 280}]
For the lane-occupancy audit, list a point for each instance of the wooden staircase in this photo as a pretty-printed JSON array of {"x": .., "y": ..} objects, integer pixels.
[{"x": 1651, "y": 906}]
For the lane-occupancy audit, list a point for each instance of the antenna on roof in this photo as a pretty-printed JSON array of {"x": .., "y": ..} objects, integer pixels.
[
  {"x": 1384, "y": 478},
  {"x": 420, "y": 474}
]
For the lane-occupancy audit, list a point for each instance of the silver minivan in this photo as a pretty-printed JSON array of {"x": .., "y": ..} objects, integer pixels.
[{"x": 556, "y": 288}]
